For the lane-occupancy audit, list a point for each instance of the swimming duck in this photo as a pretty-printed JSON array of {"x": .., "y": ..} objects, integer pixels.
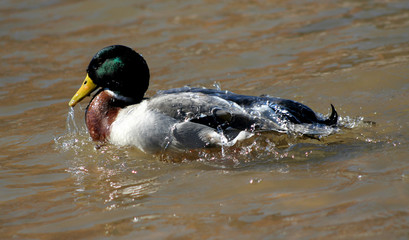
[{"x": 182, "y": 118}]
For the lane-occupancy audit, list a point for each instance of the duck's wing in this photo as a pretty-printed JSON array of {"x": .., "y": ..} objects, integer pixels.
[
  {"x": 283, "y": 110},
  {"x": 209, "y": 110}
]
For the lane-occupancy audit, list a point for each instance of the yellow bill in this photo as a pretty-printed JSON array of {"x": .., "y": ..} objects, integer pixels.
[{"x": 86, "y": 88}]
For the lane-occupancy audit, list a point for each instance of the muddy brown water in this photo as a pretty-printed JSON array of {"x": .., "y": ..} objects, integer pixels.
[{"x": 56, "y": 184}]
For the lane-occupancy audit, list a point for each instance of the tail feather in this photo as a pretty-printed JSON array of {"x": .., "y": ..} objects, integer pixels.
[{"x": 333, "y": 118}]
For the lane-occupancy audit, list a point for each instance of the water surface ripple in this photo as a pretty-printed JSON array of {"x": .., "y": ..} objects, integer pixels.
[{"x": 55, "y": 183}]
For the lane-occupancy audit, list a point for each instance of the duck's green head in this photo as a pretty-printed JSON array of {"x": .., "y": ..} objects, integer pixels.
[{"x": 117, "y": 68}]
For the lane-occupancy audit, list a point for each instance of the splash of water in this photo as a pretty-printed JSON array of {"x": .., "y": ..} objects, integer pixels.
[
  {"x": 354, "y": 122},
  {"x": 74, "y": 137},
  {"x": 223, "y": 140},
  {"x": 72, "y": 127},
  {"x": 168, "y": 138},
  {"x": 217, "y": 86}
]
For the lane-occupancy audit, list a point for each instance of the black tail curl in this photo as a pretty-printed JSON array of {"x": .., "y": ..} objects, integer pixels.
[{"x": 333, "y": 119}]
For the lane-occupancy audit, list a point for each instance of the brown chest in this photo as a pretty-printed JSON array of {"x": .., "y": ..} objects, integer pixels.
[{"x": 101, "y": 113}]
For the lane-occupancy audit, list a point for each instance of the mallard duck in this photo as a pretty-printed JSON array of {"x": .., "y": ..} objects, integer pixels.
[{"x": 182, "y": 118}]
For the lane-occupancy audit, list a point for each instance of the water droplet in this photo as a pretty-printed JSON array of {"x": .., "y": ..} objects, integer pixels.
[
  {"x": 217, "y": 86},
  {"x": 255, "y": 180},
  {"x": 71, "y": 122}
]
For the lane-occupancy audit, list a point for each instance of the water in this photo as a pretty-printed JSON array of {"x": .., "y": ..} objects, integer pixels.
[{"x": 55, "y": 183}]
